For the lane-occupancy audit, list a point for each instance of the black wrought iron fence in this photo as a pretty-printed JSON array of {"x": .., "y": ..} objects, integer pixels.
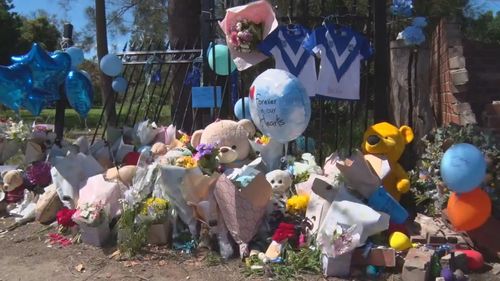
[{"x": 336, "y": 125}]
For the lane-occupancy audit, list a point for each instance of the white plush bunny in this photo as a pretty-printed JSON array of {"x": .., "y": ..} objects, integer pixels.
[{"x": 280, "y": 181}]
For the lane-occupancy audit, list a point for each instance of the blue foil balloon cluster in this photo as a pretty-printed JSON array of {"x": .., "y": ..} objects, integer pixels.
[
  {"x": 34, "y": 79},
  {"x": 402, "y": 8},
  {"x": 414, "y": 34}
]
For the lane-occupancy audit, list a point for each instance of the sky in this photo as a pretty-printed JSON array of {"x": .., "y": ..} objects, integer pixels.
[
  {"x": 78, "y": 19},
  {"x": 76, "y": 15}
]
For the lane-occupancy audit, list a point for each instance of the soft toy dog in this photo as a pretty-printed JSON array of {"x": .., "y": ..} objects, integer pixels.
[
  {"x": 386, "y": 140},
  {"x": 280, "y": 181},
  {"x": 13, "y": 187},
  {"x": 232, "y": 139}
]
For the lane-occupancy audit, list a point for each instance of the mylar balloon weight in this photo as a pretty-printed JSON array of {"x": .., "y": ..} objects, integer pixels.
[
  {"x": 111, "y": 65},
  {"x": 222, "y": 64},
  {"x": 120, "y": 85},
  {"x": 463, "y": 167},
  {"x": 238, "y": 109},
  {"x": 279, "y": 105},
  {"x": 15, "y": 84},
  {"x": 76, "y": 55},
  {"x": 79, "y": 92},
  {"x": 468, "y": 211}
]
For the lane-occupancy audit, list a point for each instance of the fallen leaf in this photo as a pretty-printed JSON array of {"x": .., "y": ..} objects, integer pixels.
[
  {"x": 130, "y": 263},
  {"x": 115, "y": 254},
  {"x": 161, "y": 263},
  {"x": 80, "y": 268}
]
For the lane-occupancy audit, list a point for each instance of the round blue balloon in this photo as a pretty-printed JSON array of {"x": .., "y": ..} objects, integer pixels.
[
  {"x": 111, "y": 65},
  {"x": 120, "y": 85},
  {"x": 76, "y": 55},
  {"x": 463, "y": 167},
  {"x": 79, "y": 92},
  {"x": 279, "y": 105},
  {"x": 221, "y": 62},
  {"x": 238, "y": 109}
]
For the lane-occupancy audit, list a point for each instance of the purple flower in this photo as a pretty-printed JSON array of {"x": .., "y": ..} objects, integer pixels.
[{"x": 203, "y": 150}]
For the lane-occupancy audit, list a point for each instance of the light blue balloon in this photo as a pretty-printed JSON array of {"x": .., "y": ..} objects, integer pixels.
[
  {"x": 111, "y": 65},
  {"x": 223, "y": 60},
  {"x": 79, "y": 92},
  {"x": 238, "y": 109},
  {"x": 120, "y": 85},
  {"x": 463, "y": 167},
  {"x": 76, "y": 55},
  {"x": 279, "y": 105}
]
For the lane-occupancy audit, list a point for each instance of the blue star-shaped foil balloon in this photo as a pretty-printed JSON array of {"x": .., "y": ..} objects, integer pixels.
[
  {"x": 48, "y": 72},
  {"x": 15, "y": 85}
]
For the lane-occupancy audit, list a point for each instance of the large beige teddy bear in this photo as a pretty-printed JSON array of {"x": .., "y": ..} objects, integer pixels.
[{"x": 231, "y": 137}]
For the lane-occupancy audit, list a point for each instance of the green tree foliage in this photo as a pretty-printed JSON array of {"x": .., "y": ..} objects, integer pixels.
[
  {"x": 17, "y": 33},
  {"x": 485, "y": 28},
  {"x": 10, "y": 23}
]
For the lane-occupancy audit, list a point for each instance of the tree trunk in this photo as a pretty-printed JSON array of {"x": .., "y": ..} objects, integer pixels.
[
  {"x": 102, "y": 50},
  {"x": 183, "y": 31}
]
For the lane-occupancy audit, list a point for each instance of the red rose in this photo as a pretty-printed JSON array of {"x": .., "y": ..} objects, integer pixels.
[
  {"x": 64, "y": 217},
  {"x": 284, "y": 231}
]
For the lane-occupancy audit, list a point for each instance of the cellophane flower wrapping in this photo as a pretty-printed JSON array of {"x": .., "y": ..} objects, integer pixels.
[
  {"x": 245, "y": 35},
  {"x": 91, "y": 215}
]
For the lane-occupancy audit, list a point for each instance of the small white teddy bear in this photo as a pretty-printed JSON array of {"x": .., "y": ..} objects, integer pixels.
[{"x": 280, "y": 181}]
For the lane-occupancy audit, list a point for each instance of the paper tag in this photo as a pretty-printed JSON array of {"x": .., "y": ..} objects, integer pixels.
[{"x": 274, "y": 250}]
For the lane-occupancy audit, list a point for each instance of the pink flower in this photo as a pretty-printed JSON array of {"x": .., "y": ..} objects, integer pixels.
[{"x": 234, "y": 38}]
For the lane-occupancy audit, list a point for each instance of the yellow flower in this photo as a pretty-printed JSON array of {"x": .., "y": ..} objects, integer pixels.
[
  {"x": 185, "y": 138},
  {"x": 263, "y": 140},
  {"x": 186, "y": 162},
  {"x": 159, "y": 205},
  {"x": 297, "y": 204}
]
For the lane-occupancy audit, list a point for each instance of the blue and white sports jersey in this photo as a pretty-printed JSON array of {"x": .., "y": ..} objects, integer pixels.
[
  {"x": 285, "y": 44},
  {"x": 341, "y": 50}
]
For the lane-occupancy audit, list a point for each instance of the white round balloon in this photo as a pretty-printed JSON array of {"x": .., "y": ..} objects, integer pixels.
[{"x": 279, "y": 105}]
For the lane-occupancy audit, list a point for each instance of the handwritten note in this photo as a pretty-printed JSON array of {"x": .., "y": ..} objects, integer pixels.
[{"x": 268, "y": 113}]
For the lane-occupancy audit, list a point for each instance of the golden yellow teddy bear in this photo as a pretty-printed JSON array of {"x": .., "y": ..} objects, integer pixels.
[{"x": 387, "y": 140}]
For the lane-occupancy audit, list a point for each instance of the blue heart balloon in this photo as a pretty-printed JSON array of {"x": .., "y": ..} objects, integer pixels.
[
  {"x": 48, "y": 72},
  {"x": 15, "y": 84},
  {"x": 34, "y": 102},
  {"x": 79, "y": 92}
]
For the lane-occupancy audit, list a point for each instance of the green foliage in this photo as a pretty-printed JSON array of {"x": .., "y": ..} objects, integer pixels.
[
  {"x": 40, "y": 30},
  {"x": 427, "y": 185},
  {"x": 131, "y": 235},
  {"x": 486, "y": 28},
  {"x": 295, "y": 265},
  {"x": 10, "y": 23}
]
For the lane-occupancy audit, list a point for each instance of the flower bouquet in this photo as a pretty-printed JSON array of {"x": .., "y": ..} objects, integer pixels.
[
  {"x": 182, "y": 181},
  {"x": 270, "y": 150},
  {"x": 243, "y": 209},
  {"x": 12, "y": 135},
  {"x": 154, "y": 211},
  {"x": 93, "y": 222},
  {"x": 65, "y": 221},
  {"x": 245, "y": 26}
]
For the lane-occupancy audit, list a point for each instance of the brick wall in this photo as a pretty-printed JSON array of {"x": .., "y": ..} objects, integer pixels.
[{"x": 465, "y": 79}]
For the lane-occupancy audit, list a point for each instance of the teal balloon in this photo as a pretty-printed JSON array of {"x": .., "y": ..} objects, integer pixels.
[
  {"x": 34, "y": 103},
  {"x": 111, "y": 65},
  {"x": 463, "y": 167},
  {"x": 238, "y": 109},
  {"x": 79, "y": 92},
  {"x": 279, "y": 105},
  {"x": 15, "y": 85},
  {"x": 223, "y": 63},
  {"x": 77, "y": 56},
  {"x": 120, "y": 85}
]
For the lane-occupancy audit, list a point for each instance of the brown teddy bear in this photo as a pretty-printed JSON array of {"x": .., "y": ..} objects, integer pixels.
[
  {"x": 231, "y": 137},
  {"x": 387, "y": 140},
  {"x": 13, "y": 188}
]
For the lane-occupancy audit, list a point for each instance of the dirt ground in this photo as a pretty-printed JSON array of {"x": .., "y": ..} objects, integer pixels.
[{"x": 25, "y": 255}]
